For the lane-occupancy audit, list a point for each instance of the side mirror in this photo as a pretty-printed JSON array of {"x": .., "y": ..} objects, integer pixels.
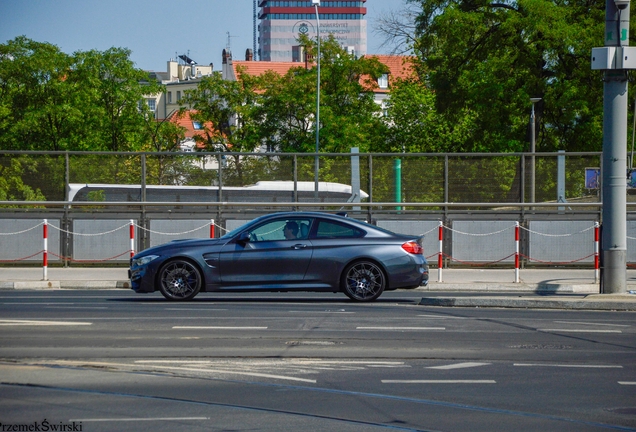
[{"x": 244, "y": 237}]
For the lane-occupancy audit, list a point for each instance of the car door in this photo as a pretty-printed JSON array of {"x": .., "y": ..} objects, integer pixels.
[{"x": 265, "y": 258}]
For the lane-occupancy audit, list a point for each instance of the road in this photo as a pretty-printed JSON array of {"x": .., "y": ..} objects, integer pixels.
[{"x": 101, "y": 360}]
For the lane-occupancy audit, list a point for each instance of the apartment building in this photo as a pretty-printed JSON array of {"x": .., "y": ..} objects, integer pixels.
[{"x": 281, "y": 21}]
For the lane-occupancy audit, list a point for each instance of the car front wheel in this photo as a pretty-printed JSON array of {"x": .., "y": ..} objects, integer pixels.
[
  {"x": 179, "y": 280},
  {"x": 363, "y": 281}
]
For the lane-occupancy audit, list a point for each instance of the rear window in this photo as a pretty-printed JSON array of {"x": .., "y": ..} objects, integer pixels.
[{"x": 331, "y": 229}]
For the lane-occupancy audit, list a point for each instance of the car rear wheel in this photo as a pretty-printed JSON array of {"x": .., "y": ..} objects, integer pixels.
[
  {"x": 363, "y": 281},
  {"x": 179, "y": 280}
]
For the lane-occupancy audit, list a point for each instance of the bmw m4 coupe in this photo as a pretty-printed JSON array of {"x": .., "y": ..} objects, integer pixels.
[{"x": 291, "y": 251}]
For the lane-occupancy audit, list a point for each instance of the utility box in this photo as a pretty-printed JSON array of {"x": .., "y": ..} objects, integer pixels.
[
  {"x": 628, "y": 58},
  {"x": 604, "y": 58},
  {"x": 614, "y": 57}
]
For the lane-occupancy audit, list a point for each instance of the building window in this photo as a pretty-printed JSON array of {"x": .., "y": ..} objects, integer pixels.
[
  {"x": 152, "y": 104},
  {"x": 169, "y": 97},
  {"x": 197, "y": 125},
  {"x": 178, "y": 95},
  {"x": 383, "y": 81}
]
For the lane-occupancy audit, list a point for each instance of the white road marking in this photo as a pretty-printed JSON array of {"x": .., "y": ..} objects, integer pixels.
[
  {"x": 217, "y": 328},
  {"x": 186, "y": 309},
  {"x": 232, "y": 372},
  {"x": 439, "y": 382},
  {"x": 184, "y": 369},
  {"x": 41, "y": 323},
  {"x": 627, "y": 382},
  {"x": 589, "y": 323},
  {"x": 35, "y": 303},
  {"x": 458, "y": 366},
  {"x": 123, "y": 419},
  {"x": 400, "y": 328},
  {"x": 327, "y": 312},
  {"x": 578, "y": 331},
  {"x": 570, "y": 365}
]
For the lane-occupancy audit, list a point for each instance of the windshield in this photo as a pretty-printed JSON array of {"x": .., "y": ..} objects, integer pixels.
[{"x": 234, "y": 232}]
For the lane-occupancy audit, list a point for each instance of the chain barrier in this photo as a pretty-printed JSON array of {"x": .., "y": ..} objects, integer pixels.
[
  {"x": 478, "y": 234},
  {"x": 23, "y": 231},
  {"x": 207, "y": 225},
  {"x": 556, "y": 235},
  {"x": 212, "y": 225},
  {"x": 556, "y": 262},
  {"x": 89, "y": 261},
  {"x": 517, "y": 255},
  {"x": 21, "y": 259},
  {"x": 88, "y": 234}
]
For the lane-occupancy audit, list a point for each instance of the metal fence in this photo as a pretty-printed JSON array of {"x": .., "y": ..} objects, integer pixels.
[
  {"x": 432, "y": 181},
  {"x": 477, "y": 198}
]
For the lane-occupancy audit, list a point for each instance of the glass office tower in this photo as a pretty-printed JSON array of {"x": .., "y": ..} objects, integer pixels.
[{"x": 281, "y": 21}]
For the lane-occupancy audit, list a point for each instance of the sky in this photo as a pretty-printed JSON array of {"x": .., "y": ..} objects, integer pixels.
[{"x": 154, "y": 30}]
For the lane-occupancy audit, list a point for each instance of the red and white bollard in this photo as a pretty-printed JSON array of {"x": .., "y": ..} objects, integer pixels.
[
  {"x": 517, "y": 252},
  {"x": 45, "y": 252},
  {"x": 440, "y": 254},
  {"x": 211, "y": 228},
  {"x": 596, "y": 251},
  {"x": 132, "y": 238}
]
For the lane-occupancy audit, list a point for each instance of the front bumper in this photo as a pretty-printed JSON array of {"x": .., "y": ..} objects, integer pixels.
[{"x": 141, "y": 280}]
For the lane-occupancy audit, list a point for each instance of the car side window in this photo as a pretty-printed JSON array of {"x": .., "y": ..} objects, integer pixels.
[
  {"x": 330, "y": 229},
  {"x": 281, "y": 229}
]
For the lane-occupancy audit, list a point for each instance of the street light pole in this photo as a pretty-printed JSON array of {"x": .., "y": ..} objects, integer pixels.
[
  {"x": 316, "y": 3},
  {"x": 614, "y": 59},
  {"x": 533, "y": 140}
]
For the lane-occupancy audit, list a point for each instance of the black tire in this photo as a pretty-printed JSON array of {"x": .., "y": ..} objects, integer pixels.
[
  {"x": 363, "y": 281},
  {"x": 179, "y": 280}
]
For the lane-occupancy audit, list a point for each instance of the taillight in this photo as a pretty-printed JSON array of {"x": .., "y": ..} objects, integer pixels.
[{"x": 413, "y": 247}]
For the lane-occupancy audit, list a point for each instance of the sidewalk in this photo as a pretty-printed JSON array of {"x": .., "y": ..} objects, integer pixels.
[{"x": 537, "y": 288}]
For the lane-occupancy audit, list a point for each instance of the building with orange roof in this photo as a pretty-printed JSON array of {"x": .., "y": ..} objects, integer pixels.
[
  {"x": 400, "y": 67},
  {"x": 191, "y": 128}
]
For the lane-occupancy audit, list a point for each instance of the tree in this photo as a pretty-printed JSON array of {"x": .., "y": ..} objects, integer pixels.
[
  {"x": 36, "y": 112},
  {"x": 86, "y": 101},
  {"x": 113, "y": 95},
  {"x": 415, "y": 125},
  {"x": 225, "y": 109},
  {"x": 485, "y": 59},
  {"x": 349, "y": 116}
]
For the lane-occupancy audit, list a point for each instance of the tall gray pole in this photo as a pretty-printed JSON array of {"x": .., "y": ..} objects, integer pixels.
[
  {"x": 316, "y": 3},
  {"x": 614, "y": 240}
]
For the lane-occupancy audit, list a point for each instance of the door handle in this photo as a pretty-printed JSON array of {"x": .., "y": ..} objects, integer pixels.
[{"x": 299, "y": 246}]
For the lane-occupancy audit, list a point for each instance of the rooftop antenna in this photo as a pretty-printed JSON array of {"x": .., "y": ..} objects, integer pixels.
[{"x": 228, "y": 41}]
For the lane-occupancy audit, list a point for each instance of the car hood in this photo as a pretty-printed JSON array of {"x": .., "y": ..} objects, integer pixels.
[{"x": 180, "y": 244}]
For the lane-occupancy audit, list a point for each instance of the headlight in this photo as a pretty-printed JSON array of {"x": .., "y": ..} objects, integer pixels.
[{"x": 138, "y": 262}]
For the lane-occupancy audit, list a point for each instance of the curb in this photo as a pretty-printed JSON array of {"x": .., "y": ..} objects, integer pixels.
[
  {"x": 592, "y": 302},
  {"x": 72, "y": 284},
  {"x": 513, "y": 287}
]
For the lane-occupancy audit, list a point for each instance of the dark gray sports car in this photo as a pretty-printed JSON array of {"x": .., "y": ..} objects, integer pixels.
[{"x": 294, "y": 251}]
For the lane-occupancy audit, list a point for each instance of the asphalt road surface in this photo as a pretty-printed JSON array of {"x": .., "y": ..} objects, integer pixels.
[{"x": 114, "y": 360}]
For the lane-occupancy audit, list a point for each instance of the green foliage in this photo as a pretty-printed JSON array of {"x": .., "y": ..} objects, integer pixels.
[
  {"x": 13, "y": 187},
  {"x": 86, "y": 101},
  {"x": 484, "y": 60},
  {"x": 224, "y": 109},
  {"x": 415, "y": 125},
  {"x": 348, "y": 115}
]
